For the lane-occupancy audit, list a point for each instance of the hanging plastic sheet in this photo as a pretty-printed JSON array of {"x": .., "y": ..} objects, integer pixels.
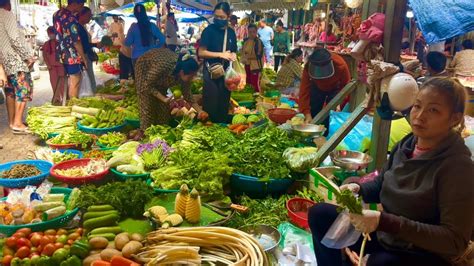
[{"x": 441, "y": 19}]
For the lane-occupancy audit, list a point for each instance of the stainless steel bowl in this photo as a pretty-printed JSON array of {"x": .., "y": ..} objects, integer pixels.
[
  {"x": 350, "y": 160},
  {"x": 310, "y": 130},
  {"x": 267, "y": 236}
]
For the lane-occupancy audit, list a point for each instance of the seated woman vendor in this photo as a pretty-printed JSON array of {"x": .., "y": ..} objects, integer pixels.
[
  {"x": 426, "y": 190},
  {"x": 157, "y": 71},
  {"x": 289, "y": 76}
]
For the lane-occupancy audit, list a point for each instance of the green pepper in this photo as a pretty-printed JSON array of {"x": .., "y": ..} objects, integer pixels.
[
  {"x": 60, "y": 255},
  {"x": 72, "y": 261},
  {"x": 80, "y": 248}
]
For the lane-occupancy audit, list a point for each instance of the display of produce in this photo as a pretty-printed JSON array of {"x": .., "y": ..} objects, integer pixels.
[
  {"x": 104, "y": 119},
  {"x": 48, "y": 119},
  {"x": 94, "y": 102},
  {"x": 20, "y": 171},
  {"x": 112, "y": 139},
  {"x": 301, "y": 159},
  {"x": 75, "y": 137},
  {"x": 93, "y": 167}
]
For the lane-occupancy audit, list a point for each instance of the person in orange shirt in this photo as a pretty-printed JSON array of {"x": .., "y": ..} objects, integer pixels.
[{"x": 324, "y": 76}]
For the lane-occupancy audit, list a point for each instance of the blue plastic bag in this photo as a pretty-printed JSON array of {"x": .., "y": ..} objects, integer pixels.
[{"x": 358, "y": 138}]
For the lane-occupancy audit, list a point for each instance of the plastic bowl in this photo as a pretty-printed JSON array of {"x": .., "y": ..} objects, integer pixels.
[
  {"x": 58, "y": 222},
  {"x": 268, "y": 236},
  {"x": 43, "y": 166},
  {"x": 254, "y": 188},
  {"x": 73, "y": 146},
  {"x": 100, "y": 131},
  {"x": 298, "y": 211},
  {"x": 134, "y": 123},
  {"x": 123, "y": 177},
  {"x": 281, "y": 115},
  {"x": 76, "y": 180}
]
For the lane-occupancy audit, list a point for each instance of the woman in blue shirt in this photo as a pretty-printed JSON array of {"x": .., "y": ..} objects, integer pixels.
[{"x": 143, "y": 35}]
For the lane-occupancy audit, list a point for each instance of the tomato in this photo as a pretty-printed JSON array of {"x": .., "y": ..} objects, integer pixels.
[
  {"x": 11, "y": 242},
  {"x": 23, "y": 242},
  {"x": 67, "y": 246},
  {"x": 35, "y": 239},
  {"x": 34, "y": 258},
  {"x": 19, "y": 235},
  {"x": 22, "y": 252},
  {"x": 48, "y": 250},
  {"x": 6, "y": 260},
  {"x": 62, "y": 239},
  {"x": 61, "y": 232},
  {"x": 35, "y": 233},
  {"x": 70, "y": 241},
  {"x": 73, "y": 236},
  {"x": 58, "y": 245},
  {"x": 80, "y": 231},
  {"x": 39, "y": 249},
  {"x": 51, "y": 232},
  {"x": 25, "y": 231},
  {"x": 8, "y": 251},
  {"x": 46, "y": 240}
]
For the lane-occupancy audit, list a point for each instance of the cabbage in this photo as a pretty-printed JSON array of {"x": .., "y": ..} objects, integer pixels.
[
  {"x": 253, "y": 119},
  {"x": 239, "y": 119}
]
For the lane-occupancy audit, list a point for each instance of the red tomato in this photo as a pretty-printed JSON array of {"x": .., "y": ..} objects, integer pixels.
[
  {"x": 35, "y": 239},
  {"x": 61, "y": 232},
  {"x": 6, "y": 260},
  {"x": 70, "y": 241},
  {"x": 39, "y": 249},
  {"x": 25, "y": 231},
  {"x": 19, "y": 235},
  {"x": 8, "y": 251},
  {"x": 22, "y": 252},
  {"x": 48, "y": 250},
  {"x": 23, "y": 242},
  {"x": 58, "y": 245},
  {"x": 34, "y": 254},
  {"x": 80, "y": 231},
  {"x": 46, "y": 240},
  {"x": 11, "y": 242}
]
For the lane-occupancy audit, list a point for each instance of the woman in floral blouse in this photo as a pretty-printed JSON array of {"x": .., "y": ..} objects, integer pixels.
[{"x": 17, "y": 61}]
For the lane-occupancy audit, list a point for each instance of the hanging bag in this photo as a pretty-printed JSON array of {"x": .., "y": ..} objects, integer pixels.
[
  {"x": 86, "y": 88},
  {"x": 217, "y": 69}
]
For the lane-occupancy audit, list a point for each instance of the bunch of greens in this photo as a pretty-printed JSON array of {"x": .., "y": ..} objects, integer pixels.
[
  {"x": 196, "y": 86},
  {"x": 259, "y": 152},
  {"x": 267, "y": 211},
  {"x": 112, "y": 139},
  {"x": 204, "y": 170},
  {"x": 347, "y": 201},
  {"x": 153, "y": 154},
  {"x": 47, "y": 119},
  {"x": 72, "y": 137},
  {"x": 215, "y": 138},
  {"x": 269, "y": 73},
  {"x": 128, "y": 197},
  {"x": 94, "y": 102},
  {"x": 169, "y": 134}
]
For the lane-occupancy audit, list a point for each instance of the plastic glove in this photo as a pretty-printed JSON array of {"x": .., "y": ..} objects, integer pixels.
[
  {"x": 355, "y": 188},
  {"x": 367, "y": 222}
]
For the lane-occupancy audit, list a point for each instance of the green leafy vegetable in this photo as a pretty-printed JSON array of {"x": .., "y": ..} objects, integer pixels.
[
  {"x": 347, "y": 201},
  {"x": 47, "y": 119},
  {"x": 72, "y": 137}
]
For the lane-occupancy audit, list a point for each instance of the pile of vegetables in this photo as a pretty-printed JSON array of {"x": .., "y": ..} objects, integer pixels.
[
  {"x": 20, "y": 171},
  {"x": 196, "y": 86},
  {"x": 153, "y": 154},
  {"x": 98, "y": 154},
  {"x": 129, "y": 105},
  {"x": 128, "y": 198},
  {"x": 269, "y": 74},
  {"x": 110, "y": 68},
  {"x": 47, "y": 119},
  {"x": 301, "y": 159},
  {"x": 104, "y": 119},
  {"x": 126, "y": 160},
  {"x": 54, "y": 156},
  {"x": 94, "y": 102},
  {"x": 112, "y": 139},
  {"x": 93, "y": 167},
  {"x": 118, "y": 252},
  {"x": 72, "y": 137}
]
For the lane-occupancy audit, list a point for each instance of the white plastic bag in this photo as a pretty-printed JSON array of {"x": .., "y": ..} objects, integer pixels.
[
  {"x": 234, "y": 77},
  {"x": 86, "y": 88},
  {"x": 342, "y": 233}
]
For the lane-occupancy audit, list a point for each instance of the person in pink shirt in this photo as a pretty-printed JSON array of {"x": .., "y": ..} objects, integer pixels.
[
  {"x": 56, "y": 69},
  {"x": 328, "y": 36}
]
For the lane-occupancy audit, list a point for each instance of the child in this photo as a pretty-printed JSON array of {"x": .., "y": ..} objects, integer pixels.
[
  {"x": 426, "y": 190},
  {"x": 56, "y": 69}
]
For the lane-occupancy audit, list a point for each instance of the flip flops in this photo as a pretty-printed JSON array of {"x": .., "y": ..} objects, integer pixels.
[{"x": 18, "y": 131}]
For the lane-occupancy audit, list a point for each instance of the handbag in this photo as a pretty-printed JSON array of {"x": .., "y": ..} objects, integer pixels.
[{"x": 216, "y": 70}]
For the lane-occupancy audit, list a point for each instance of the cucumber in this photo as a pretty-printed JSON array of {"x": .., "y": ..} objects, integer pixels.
[
  {"x": 100, "y": 208},
  {"x": 106, "y": 220},
  {"x": 105, "y": 230},
  {"x": 90, "y": 215},
  {"x": 109, "y": 236}
]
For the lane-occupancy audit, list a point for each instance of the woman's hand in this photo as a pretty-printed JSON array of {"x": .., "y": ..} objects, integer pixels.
[
  {"x": 203, "y": 115},
  {"x": 229, "y": 56},
  {"x": 367, "y": 222},
  {"x": 353, "y": 187},
  {"x": 308, "y": 118}
]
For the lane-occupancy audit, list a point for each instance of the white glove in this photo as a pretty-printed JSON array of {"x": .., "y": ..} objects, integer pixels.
[
  {"x": 355, "y": 188},
  {"x": 367, "y": 222}
]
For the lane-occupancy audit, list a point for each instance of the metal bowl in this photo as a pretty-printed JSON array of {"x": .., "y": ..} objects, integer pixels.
[
  {"x": 350, "y": 160},
  {"x": 267, "y": 236},
  {"x": 310, "y": 130}
]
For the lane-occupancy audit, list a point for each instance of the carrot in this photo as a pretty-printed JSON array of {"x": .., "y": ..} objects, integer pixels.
[
  {"x": 241, "y": 129},
  {"x": 232, "y": 127},
  {"x": 101, "y": 263},
  {"x": 121, "y": 261}
]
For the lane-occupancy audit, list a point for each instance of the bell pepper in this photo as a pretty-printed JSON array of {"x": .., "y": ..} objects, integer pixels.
[
  {"x": 60, "y": 255},
  {"x": 45, "y": 261},
  {"x": 72, "y": 261},
  {"x": 80, "y": 248}
]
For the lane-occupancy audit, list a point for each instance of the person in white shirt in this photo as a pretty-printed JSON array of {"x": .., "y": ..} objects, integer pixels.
[
  {"x": 265, "y": 33},
  {"x": 171, "y": 32}
]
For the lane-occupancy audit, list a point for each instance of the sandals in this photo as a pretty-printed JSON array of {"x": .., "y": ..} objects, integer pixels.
[{"x": 18, "y": 131}]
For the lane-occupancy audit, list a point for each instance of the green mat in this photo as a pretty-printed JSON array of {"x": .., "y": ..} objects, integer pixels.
[
  {"x": 132, "y": 226},
  {"x": 167, "y": 200}
]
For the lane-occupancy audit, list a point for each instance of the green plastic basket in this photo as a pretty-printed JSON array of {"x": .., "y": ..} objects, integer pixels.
[
  {"x": 248, "y": 104},
  {"x": 159, "y": 190},
  {"x": 122, "y": 177},
  {"x": 104, "y": 147},
  {"x": 55, "y": 223}
]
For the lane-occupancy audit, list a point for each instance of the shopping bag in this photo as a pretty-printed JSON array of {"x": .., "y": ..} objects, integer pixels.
[
  {"x": 233, "y": 79},
  {"x": 86, "y": 88},
  {"x": 240, "y": 69},
  {"x": 342, "y": 233}
]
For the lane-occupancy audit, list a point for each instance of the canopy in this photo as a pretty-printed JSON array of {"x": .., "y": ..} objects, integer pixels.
[
  {"x": 256, "y": 5},
  {"x": 453, "y": 18}
]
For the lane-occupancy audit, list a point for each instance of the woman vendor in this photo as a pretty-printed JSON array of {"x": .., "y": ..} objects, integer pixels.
[
  {"x": 156, "y": 71},
  {"x": 426, "y": 190},
  {"x": 218, "y": 46},
  {"x": 289, "y": 77}
]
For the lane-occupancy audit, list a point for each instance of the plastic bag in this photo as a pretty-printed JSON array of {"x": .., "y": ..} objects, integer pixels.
[
  {"x": 301, "y": 159},
  {"x": 358, "y": 138},
  {"x": 233, "y": 78},
  {"x": 342, "y": 233},
  {"x": 86, "y": 88},
  {"x": 291, "y": 234}
]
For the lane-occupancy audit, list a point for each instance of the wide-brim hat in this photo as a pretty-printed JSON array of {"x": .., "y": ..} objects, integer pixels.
[{"x": 320, "y": 64}]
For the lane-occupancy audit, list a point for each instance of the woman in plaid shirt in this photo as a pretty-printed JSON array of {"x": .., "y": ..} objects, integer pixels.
[{"x": 289, "y": 76}]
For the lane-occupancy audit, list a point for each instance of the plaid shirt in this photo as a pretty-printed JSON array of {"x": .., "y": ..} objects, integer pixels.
[{"x": 288, "y": 73}]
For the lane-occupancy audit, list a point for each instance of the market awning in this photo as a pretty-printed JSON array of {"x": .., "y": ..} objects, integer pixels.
[
  {"x": 440, "y": 19},
  {"x": 255, "y": 5}
]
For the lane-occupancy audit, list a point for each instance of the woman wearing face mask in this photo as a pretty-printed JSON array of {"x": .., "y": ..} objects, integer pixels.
[
  {"x": 156, "y": 71},
  {"x": 216, "y": 97},
  {"x": 55, "y": 68}
]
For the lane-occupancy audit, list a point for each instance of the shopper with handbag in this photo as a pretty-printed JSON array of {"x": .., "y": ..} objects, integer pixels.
[{"x": 218, "y": 46}]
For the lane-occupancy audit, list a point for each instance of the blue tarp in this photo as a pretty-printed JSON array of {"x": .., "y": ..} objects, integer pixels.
[{"x": 442, "y": 19}]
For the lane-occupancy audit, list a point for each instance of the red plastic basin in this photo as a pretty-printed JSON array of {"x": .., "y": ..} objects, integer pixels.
[{"x": 76, "y": 180}]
